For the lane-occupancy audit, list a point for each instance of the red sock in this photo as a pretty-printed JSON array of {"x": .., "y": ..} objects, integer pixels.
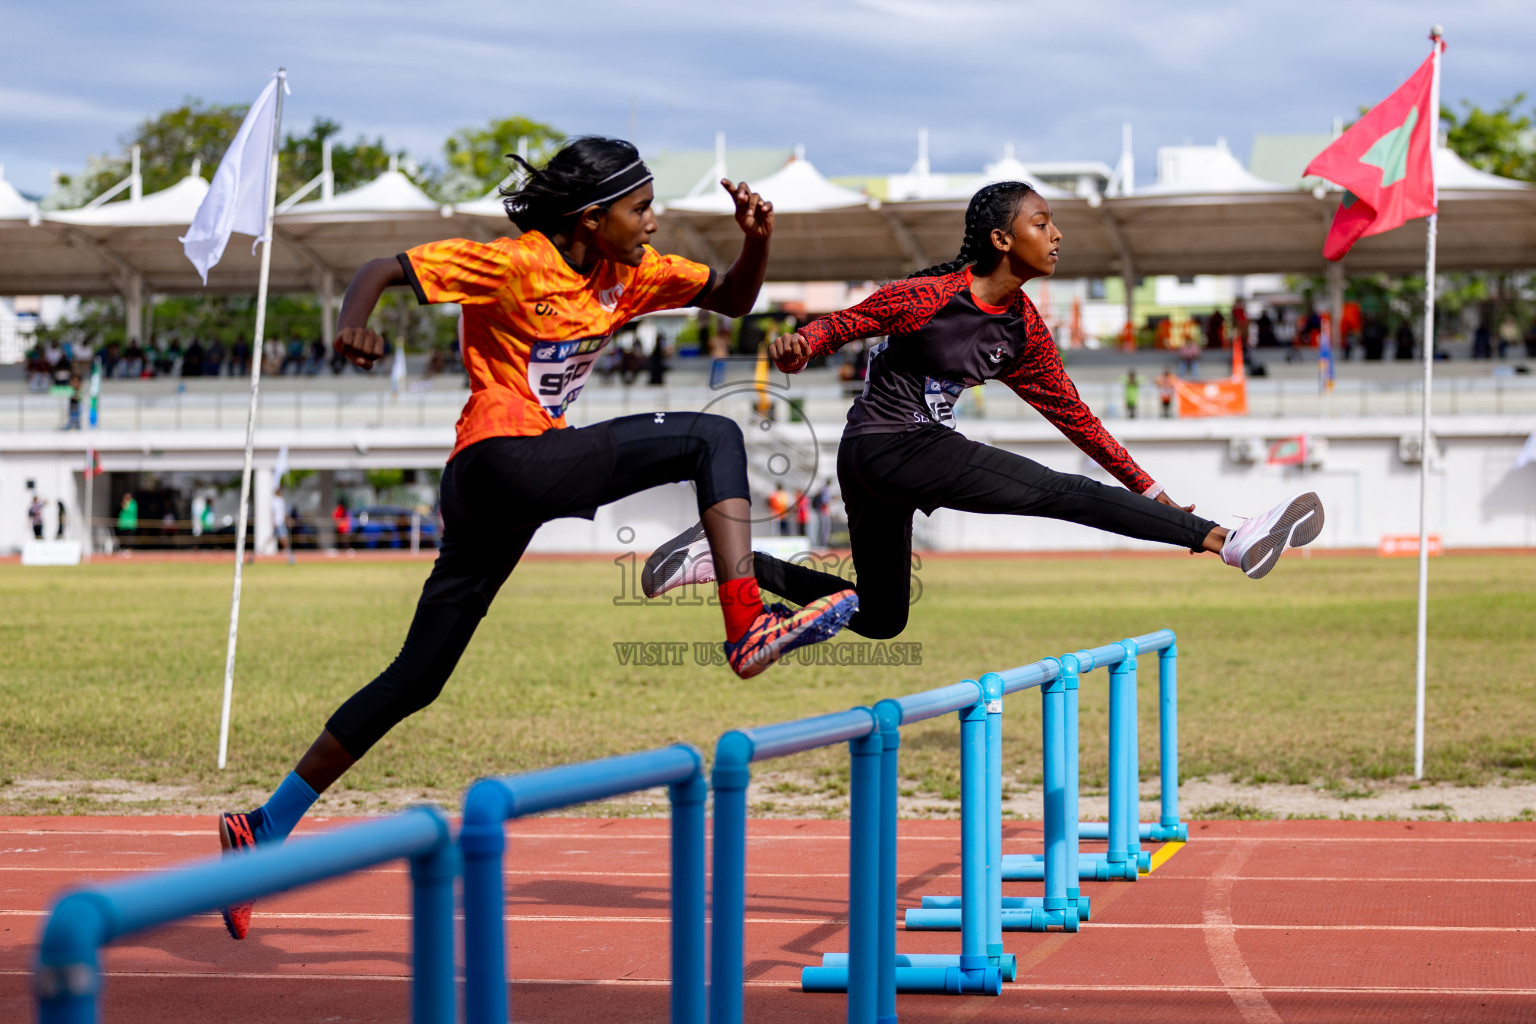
[{"x": 741, "y": 602}]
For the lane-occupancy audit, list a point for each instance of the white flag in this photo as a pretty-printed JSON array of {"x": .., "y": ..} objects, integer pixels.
[
  {"x": 237, "y": 199},
  {"x": 397, "y": 368},
  {"x": 280, "y": 468},
  {"x": 1527, "y": 454}
]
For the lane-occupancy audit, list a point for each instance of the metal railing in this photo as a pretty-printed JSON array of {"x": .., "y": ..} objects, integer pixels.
[{"x": 201, "y": 410}]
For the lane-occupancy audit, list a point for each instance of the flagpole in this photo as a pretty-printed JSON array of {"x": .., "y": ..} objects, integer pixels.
[
  {"x": 90, "y": 500},
  {"x": 250, "y": 419},
  {"x": 1424, "y": 452}
]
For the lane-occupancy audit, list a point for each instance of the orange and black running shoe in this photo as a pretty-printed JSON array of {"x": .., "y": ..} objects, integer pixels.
[
  {"x": 777, "y": 631},
  {"x": 236, "y": 836}
]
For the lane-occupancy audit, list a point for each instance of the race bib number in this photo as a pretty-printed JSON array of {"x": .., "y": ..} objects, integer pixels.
[
  {"x": 558, "y": 369},
  {"x": 940, "y": 396}
]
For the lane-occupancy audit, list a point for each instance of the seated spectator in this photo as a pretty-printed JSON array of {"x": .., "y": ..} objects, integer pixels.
[
  {"x": 213, "y": 360},
  {"x": 192, "y": 360},
  {"x": 132, "y": 364},
  {"x": 293, "y": 355}
]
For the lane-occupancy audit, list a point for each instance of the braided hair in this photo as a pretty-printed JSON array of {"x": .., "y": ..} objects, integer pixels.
[
  {"x": 991, "y": 208},
  {"x": 544, "y": 197}
]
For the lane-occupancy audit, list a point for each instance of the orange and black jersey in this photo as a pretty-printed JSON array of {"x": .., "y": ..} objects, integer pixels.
[
  {"x": 942, "y": 341},
  {"x": 532, "y": 325}
]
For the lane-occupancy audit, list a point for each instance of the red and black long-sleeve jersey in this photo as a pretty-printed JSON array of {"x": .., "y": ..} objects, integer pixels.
[{"x": 943, "y": 341}]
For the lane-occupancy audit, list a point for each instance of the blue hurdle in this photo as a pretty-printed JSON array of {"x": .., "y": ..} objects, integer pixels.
[
  {"x": 1125, "y": 859},
  {"x": 490, "y": 803},
  {"x": 981, "y": 966},
  {"x": 735, "y": 753},
  {"x": 68, "y": 979},
  {"x": 1063, "y": 905},
  {"x": 1059, "y": 679}
]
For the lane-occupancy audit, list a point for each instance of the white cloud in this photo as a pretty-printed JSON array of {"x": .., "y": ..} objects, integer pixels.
[{"x": 852, "y": 80}]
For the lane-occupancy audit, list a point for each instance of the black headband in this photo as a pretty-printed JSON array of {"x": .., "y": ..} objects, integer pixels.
[{"x": 620, "y": 182}]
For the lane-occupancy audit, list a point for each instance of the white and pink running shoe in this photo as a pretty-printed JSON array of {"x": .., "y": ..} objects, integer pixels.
[
  {"x": 1255, "y": 546},
  {"x": 682, "y": 560}
]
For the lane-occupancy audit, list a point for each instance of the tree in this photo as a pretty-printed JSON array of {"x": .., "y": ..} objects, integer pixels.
[
  {"x": 169, "y": 144},
  {"x": 1499, "y": 141},
  {"x": 352, "y": 165},
  {"x": 476, "y": 158},
  {"x": 201, "y": 132}
]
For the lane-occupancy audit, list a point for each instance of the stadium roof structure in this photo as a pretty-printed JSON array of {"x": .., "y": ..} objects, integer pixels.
[{"x": 1206, "y": 215}]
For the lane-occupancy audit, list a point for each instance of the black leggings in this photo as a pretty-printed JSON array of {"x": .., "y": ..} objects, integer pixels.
[
  {"x": 887, "y": 477},
  {"x": 495, "y": 495}
]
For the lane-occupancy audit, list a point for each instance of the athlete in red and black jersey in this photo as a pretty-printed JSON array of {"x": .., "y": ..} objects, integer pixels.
[{"x": 951, "y": 327}]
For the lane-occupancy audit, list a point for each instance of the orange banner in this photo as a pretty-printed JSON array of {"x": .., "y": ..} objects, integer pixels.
[
  {"x": 1404, "y": 545},
  {"x": 1212, "y": 398}
]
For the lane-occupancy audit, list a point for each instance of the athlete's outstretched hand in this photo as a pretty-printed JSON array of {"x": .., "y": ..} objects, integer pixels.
[
  {"x": 790, "y": 352},
  {"x": 753, "y": 212},
  {"x": 360, "y": 346},
  {"x": 1163, "y": 497}
]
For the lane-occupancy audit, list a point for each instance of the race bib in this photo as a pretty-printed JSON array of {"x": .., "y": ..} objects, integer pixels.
[
  {"x": 558, "y": 369},
  {"x": 940, "y": 396}
]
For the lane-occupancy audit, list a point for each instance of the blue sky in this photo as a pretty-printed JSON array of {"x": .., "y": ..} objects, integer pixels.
[{"x": 853, "y": 81}]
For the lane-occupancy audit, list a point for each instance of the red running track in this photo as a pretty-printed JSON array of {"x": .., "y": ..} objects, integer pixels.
[{"x": 1251, "y": 922}]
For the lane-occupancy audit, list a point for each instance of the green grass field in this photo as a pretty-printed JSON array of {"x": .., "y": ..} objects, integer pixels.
[{"x": 114, "y": 671}]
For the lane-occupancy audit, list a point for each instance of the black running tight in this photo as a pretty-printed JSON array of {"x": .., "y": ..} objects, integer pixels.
[
  {"x": 886, "y": 478},
  {"x": 495, "y": 495}
]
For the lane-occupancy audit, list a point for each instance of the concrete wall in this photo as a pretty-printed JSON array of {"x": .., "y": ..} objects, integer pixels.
[{"x": 1477, "y": 498}]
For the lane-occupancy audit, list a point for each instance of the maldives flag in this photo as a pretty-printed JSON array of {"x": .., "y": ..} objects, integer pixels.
[{"x": 1384, "y": 164}]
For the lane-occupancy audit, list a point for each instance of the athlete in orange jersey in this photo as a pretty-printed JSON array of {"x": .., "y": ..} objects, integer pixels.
[{"x": 536, "y": 312}]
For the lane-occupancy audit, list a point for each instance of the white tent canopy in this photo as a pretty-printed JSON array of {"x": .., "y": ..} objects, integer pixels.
[
  {"x": 1452, "y": 172},
  {"x": 1204, "y": 170},
  {"x": 13, "y": 206},
  {"x": 390, "y": 194},
  {"x": 173, "y": 206},
  {"x": 797, "y": 187}
]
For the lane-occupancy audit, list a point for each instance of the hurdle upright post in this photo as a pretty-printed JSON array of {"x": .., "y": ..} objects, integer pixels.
[
  {"x": 729, "y": 779},
  {"x": 864, "y": 877},
  {"x": 888, "y": 715},
  {"x": 1054, "y": 744},
  {"x": 1071, "y": 690},
  {"x": 432, "y": 933},
  {"x": 688, "y": 905},
  {"x": 1168, "y": 733},
  {"x": 1132, "y": 752},
  {"x": 992, "y": 695},
  {"x": 1119, "y": 753}
]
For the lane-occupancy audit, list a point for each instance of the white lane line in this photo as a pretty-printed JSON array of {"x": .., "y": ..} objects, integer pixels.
[
  {"x": 556, "y": 872},
  {"x": 1379, "y": 990},
  {"x": 518, "y": 872},
  {"x": 295, "y": 915},
  {"x": 1394, "y": 880},
  {"x": 1366, "y": 839},
  {"x": 1221, "y": 942}
]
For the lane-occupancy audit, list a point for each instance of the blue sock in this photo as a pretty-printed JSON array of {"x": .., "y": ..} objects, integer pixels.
[{"x": 283, "y": 810}]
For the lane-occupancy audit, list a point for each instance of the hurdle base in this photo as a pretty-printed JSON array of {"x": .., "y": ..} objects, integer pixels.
[
  {"x": 1087, "y": 871},
  {"x": 952, "y": 981},
  {"x": 1083, "y": 904},
  {"x": 1007, "y": 964},
  {"x": 1153, "y": 831},
  {"x": 1143, "y": 860},
  {"x": 1021, "y": 919}
]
